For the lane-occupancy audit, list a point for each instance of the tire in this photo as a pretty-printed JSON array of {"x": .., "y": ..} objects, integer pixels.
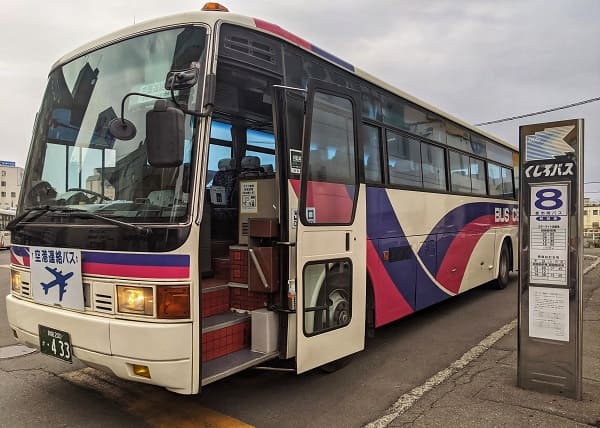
[
  {"x": 336, "y": 365},
  {"x": 503, "y": 269},
  {"x": 370, "y": 315}
]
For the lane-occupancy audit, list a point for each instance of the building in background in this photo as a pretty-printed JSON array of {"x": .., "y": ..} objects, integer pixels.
[
  {"x": 591, "y": 215},
  {"x": 94, "y": 183},
  {"x": 11, "y": 178},
  {"x": 591, "y": 223}
]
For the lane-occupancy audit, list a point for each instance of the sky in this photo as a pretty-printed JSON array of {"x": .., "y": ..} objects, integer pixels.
[{"x": 476, "y": 59}]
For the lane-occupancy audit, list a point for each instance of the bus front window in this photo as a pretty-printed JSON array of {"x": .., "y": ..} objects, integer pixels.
[{"x": 76, "y": 162}]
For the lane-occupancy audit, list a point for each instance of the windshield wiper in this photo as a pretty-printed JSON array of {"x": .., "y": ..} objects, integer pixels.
[
  {"x": 18, "y": 220},
  {"x": 73, "y": 212}
]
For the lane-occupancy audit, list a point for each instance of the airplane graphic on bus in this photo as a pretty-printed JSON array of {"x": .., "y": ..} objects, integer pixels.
[{"x": 59, "y": 279}]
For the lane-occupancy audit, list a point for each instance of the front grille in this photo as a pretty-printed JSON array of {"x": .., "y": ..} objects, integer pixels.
[
  {"x": 103, "y": 303},
  {"x": 25, "y": 289},
  {"x": 99, "y": 297}
]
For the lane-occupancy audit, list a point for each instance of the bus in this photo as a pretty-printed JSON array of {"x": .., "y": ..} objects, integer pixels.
[
  {"x": 208, "y": 192},
  {"x": 6, "y": 216}
]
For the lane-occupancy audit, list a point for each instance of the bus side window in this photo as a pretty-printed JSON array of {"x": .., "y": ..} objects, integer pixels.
[
  {"x": 508, "y": 188},
  {"x": 434, "y": 168},
  {"x": 500, "y": 181},
  {"x": 404, "y": 160},
  {"x": 494, "y": 180},
  {"x": 372, "y": 154},
  {"x": 460, "y": 177},
  {"x": 477, "y": 176}
]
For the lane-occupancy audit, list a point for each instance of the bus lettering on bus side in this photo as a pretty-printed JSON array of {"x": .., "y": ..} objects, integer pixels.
[
  {"x": 515, "y": 215},
  {"x": 501, "y": 215}
]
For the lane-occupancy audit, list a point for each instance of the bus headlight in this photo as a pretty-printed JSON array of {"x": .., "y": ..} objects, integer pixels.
[
  {"x": 135, "y": 300},
  {"x": 15, "y": 281},
  {"x": 173, "y": 301}
]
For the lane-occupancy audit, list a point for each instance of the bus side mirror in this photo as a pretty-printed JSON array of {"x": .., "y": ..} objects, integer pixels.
[{"x": 165, "y": 135}]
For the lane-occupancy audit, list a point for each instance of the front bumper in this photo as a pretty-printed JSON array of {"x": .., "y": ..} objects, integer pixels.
[{"x": 113, "y": 344}]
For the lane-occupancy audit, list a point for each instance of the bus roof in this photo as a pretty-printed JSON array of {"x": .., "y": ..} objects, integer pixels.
[{"x": 213, "y": 18}]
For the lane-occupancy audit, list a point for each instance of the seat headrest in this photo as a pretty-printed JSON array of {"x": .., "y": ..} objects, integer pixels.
[
  {"x": 250, "y": 162},
  {"x": 226, "y": 164},
  {"x": 268, "y": 168},
  {"x": 161, "y": 198}
]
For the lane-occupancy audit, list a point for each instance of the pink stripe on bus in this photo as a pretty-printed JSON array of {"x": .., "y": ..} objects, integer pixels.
[
  {"x": 276, "y": 29},
  {"x": 453, "y": 266},
  {"x": 132, "y": 271},
  {"x": 389, "y": 302}
]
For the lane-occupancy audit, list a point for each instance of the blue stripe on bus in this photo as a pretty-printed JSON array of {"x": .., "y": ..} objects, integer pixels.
[
  {"x": 382, "y": 222},
  {"x": 332, "y": 58},
  {"x": 381, "y": 218},
  {"x": 20, "y": 251}
]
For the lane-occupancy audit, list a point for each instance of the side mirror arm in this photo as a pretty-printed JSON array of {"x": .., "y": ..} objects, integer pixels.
[{"x": 124, "y": 129}]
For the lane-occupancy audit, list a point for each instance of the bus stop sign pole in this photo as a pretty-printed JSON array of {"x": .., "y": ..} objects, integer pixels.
[{"x": 551, "y": 257}]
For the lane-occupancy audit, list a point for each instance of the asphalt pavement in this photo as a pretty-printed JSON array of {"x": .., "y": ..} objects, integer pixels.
[
  {"x": 485, "y": 393},
  {"x": 479, "y": 389}
]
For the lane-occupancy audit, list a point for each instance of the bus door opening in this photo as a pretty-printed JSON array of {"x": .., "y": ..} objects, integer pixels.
[{"x": 238, "y": 255}]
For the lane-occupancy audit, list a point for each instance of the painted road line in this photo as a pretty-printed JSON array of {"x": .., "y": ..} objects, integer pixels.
[
  {"x": 156, "y": 406},
  {"x": 593, "y": 265},
  {"x": 410, "y": 398},
  {"x": 407, "y": 400}
]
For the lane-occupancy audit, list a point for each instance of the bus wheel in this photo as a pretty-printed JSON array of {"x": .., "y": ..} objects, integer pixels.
[
  {"x": 339, "y": 308},
  {"x": 334, "y": 366},
  {"x": 503, "y": 268},
  {"x": 339, "y": 314},
  {"x": 370, "y": 315}
]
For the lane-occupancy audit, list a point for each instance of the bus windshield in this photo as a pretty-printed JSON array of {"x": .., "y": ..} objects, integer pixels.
[{"x": 76, "y": 162}]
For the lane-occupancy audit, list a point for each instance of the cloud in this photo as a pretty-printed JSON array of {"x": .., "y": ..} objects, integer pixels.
[{"x": 477, "y": 59}]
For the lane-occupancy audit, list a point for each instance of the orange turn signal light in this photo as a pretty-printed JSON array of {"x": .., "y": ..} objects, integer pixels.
[
  {"x": 173, "y": 301},
  {"x": 214, "y": 7}
]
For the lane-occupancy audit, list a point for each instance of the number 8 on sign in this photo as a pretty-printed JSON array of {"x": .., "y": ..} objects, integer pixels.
[{"x": 548, "y": 199}]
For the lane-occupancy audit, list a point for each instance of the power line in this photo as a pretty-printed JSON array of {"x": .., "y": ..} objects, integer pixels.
[{"x": 591, "y": 100}]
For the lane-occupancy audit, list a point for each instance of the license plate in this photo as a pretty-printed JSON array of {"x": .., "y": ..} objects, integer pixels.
[{"x": 55, "y": 343}]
